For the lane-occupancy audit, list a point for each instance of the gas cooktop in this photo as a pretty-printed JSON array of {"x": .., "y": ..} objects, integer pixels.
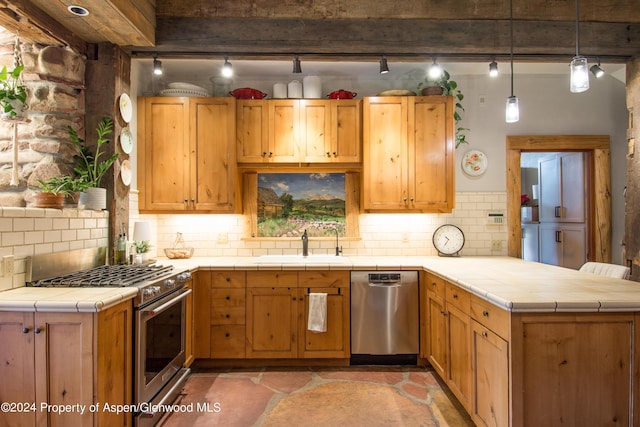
[{"x": 106, "y": 276}]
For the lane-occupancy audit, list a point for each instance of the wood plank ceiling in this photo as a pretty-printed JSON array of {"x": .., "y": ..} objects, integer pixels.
[{"x": 543, "y": 29}]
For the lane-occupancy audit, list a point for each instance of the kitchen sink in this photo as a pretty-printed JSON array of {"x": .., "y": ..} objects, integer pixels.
[{"x": 299, "y": 259}]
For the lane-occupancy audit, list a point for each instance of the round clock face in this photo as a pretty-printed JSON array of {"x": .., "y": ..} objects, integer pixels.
[{"x": 448, "y": 239}]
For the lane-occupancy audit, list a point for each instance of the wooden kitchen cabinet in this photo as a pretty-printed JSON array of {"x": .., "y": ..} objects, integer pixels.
[
  {"x": 202, "y": 314},
  {"x": 188, "y": 345},
  {"x": 408, "y": 154},
  {"x": 187, "y": 155},
  {"x": 292, "y": 131},
  {"x": 448, "y": 335},
  {"x": 228, "y": 303},
  {"x": 73, "y": 358},
  {"x": 277, "y": 314}
]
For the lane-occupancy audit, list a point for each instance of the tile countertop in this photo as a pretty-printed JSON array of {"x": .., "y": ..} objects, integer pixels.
[{"x": 509, "y": 283}]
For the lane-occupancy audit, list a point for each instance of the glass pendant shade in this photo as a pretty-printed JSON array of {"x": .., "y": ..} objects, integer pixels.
[
  {"x": 579, "y": 74},
  {"x": 512, "y": 111},
  {"x": 157, "y": 67},
  {"x": 227, "y": 69}
]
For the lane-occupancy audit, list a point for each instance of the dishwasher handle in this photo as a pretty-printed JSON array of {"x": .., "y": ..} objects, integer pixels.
[{"x": 385, "y": 284}]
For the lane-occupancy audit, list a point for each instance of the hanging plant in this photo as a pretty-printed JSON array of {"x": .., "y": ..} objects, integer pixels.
[{"x": 13, "y": 95}]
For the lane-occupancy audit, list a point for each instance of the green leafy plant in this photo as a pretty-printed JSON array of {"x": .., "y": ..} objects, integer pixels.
[
  {"x": 89, "y": 167},
  {"x": 12, "y": 93},
  {"x": 62, "y": 184},
  {"x": 141, "y": 246},
  {"x": 449, "y": 88}
]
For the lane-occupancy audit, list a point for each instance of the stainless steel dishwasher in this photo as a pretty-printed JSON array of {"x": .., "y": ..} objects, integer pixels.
[{"x": 384, "y": 313}]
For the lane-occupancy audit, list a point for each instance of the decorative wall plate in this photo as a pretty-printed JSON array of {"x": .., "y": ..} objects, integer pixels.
[
  {"x": 126, "y": 108},
  {"x": 125, "y": 172},
  {"x": 474, "y": 163},
  {"x": 126, "y": 140}
]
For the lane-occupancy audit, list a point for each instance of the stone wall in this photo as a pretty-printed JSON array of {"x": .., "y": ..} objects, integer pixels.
[
  {"x": 632, "y": 191},
  {"x": 54, "y": 77}
]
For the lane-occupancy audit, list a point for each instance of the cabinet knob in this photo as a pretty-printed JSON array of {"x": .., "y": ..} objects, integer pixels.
[
  {"x": 485, "y": 313},
  {"x": 335, "y": 154},
  {"x": 484, "y": 334},
  {"x": 270, "y": 154},
  {"x": 226, "y": 335},
  {"x": 228, "y": 298},
  {"x": 411, "y": 199},
  {"x": 25, "y": 330},
  {"x": 433, "y": 283},
  {"x": 227, "y": 316},
  {"x": 264, "y": 154},
  {"x": 37, "y": 330},
  {"x": 455, "y": 296},
  {"x": 328, "y": 154}
]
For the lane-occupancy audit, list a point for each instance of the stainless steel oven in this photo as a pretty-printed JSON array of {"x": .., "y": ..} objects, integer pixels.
[{"x": 159, "y": 355}]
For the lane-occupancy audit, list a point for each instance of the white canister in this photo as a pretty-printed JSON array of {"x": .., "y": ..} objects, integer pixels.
[
  {"x": 295, "y": 89},
  {"x": 280, "y": 90},
  {"x": 312, "y": 87}
]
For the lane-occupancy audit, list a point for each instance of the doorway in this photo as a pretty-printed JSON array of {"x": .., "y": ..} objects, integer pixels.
[{"x": 597, "y": 146}]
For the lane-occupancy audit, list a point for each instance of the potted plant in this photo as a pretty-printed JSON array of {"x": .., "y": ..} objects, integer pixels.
[
  {"x": 13, "y": 95},
  {"x": 444, "y": 86},
  {"x": 142, "y": 247},
  {"x": 90, "y": 168},
  {"x": 54, "y": 190}
]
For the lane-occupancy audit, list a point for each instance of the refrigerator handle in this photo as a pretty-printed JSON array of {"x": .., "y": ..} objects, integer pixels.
[
  {"x": 559, "y": 236},
  {"x": 557, "y": 212}
]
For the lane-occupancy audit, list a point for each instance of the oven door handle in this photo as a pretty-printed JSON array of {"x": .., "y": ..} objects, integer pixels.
[{"x": 152, "y": 312}]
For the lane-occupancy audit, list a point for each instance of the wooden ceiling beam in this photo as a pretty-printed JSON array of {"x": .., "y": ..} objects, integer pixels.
[
  {"x": 389, "y": 36},
  {"x": 22, "y": 17}
]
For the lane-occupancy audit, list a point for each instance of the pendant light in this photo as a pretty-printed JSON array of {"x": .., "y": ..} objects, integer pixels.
[
  {"x": 579, "y": 66},
  {"x": 435, "y": 71},
  {"x": 227, "y": 69},
  {"x": 597, "y": 70},
  {"x": 512, "y": 113},
  {"x": 297, "y": 69}
]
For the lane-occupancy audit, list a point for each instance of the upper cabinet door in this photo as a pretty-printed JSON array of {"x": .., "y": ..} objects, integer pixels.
[
  {"x": 164, "y": 153},
  {"x": 385, "y": 153},
  {"x": 346, "y": 131},
  {"x": 431, "y": 153},
  {"x": 213, "y": 134},
  {"x": 284, "y": 118},
  {"x": 315, "y": 131},
  {"x": 252, "y": 131}
]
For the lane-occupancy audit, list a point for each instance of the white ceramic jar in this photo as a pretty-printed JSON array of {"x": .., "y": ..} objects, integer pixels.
[
  {"x": 280, "y": 90},
  {"x": 312, "y": 87},
  {"x": 294, "y": 89}
]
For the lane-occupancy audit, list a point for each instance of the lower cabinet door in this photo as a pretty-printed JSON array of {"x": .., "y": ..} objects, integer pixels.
[
  {"x": 490, "y": 377},
  {"x": 272, "y": 322},
  {"x": 459, "y": 373},
  {"x": 437, "y": 334},
  {"x": 228, "y": 341},
  {"x": 335, "y": 342}
]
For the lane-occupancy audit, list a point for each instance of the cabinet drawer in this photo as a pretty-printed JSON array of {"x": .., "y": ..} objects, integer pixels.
[
  {"x": 324, "y": 279},
  {"x": 228, "y": 342},
  {"x": 228, "y": 279},
  {"x": 458, "y": 297},
  {"x": 490, "y": 316},
  {"x": 272, "y": 279},
  {"x": 435, "y": 285},
  {"x": 227, "y": 306}
]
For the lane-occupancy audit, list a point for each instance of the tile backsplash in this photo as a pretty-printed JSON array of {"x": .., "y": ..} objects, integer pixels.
[
  {"x": 32, "y": 231},
  {"x": 380, "y": 234}
]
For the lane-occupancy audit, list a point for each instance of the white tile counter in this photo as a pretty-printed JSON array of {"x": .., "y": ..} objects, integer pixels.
[{"x": 510, "y": 283}]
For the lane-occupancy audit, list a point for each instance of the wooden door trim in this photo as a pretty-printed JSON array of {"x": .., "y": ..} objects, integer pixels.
[{"x": 600, "y": 197}]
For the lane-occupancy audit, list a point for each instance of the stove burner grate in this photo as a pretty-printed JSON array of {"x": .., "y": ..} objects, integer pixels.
[{"x": 106, "y": 275}]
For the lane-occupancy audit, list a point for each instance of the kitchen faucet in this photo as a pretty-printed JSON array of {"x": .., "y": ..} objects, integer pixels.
[
  {"x": 305, "y": 244},
  {"x": 338, "y": 247}
]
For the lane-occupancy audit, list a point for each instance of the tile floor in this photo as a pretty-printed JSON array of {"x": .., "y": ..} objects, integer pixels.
[{"x": 318, "y": 397}]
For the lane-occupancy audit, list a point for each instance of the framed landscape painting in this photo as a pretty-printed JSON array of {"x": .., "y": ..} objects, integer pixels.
[{"x": 289, "y": 203}]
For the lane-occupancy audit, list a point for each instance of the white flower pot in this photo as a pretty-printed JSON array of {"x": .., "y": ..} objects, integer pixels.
[{"x": 93, "y": 198}]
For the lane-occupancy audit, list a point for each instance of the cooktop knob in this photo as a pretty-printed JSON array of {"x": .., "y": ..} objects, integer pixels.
[
  {"x": 169, "y": 283},
  {"x": 184, "y": 277}
]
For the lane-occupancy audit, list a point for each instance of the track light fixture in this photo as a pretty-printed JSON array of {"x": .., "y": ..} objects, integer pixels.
[
  {"x": 384, "y": 67},
  {"x": 157, "y": 66},
  {"x": 493, "y": 68},
  {"x": 597, "y": 70},
  {"x": 579, "y": 65},
  {"x": 512, "y": 113},
  {"x": 297, "y": 69},
  {"x": 227, "y": 69},
  {"x": 435, "y": 71}
]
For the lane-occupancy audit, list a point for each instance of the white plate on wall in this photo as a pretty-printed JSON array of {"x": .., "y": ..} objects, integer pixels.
[
  {"x": 474, "y": 163},
  {"x": 126, "y": 108},
  {"x": 126, "y": 140},
  {"x": 125, "y": 172}
]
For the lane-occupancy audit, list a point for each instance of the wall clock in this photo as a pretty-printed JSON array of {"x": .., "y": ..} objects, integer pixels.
[{"x": 448, "y": 240}]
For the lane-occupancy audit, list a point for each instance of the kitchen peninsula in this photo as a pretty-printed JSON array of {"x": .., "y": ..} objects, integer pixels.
[{"x": 542, "y": 343}]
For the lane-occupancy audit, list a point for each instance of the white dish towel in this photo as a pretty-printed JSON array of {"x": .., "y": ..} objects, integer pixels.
[{"x": 317, "y": 312}]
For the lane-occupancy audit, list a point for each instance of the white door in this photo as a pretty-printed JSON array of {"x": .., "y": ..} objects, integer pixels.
[{"x": 562, "y": 188}]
